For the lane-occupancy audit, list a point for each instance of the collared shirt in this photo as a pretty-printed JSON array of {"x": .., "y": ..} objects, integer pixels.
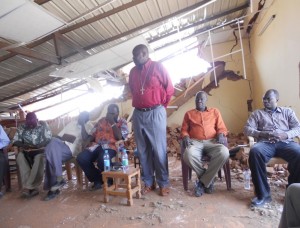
[
  {"x": 33, "y": 137},
  {"x": 150, "y": 86},
  {"x": 281, "y": 120},
  {"x": 73, "y": 128},
  {"x": 203, "y": 125},
  {"x": 4, "y": 140},
  {"x": 104, "y": 134}
]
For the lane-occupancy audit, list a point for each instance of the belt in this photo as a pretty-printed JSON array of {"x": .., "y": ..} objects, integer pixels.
[{"x": 148, "y": 109}]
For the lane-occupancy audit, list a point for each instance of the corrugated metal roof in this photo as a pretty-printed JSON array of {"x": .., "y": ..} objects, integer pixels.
[{"x": 96, "y": 25}]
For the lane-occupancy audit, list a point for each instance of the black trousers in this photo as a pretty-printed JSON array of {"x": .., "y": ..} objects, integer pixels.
[
  {"x": 262, "y": 152},
  {"x": 3, "y": 167}
]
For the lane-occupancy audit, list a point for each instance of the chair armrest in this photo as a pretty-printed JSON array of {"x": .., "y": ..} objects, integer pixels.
[{"x": 251, "y": 141}]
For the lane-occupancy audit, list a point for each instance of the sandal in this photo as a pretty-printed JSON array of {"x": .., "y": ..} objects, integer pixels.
[
  {"x": 163, "y": 191},
  {"x": 146, "y": 189}
]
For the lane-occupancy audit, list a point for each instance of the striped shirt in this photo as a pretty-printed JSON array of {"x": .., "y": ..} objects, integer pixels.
[{"x": 280, "y": 120}]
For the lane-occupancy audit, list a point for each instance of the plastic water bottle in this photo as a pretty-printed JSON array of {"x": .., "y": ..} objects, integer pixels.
[
  {"x": 247, "y": 176},
  {"x": 124, "y": 160},
  {"x": 106, "y": 161}
]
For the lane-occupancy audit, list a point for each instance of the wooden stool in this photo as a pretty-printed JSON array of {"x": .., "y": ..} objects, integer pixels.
[{"x": 126, "y": 189}]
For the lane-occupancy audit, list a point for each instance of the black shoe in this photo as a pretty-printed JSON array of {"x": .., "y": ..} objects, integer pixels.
[
  {"x": 58, "y": 185},
  {"x": 51, "y": 195},
  {"x": 96, "y": 186},
  {"x": 259, "y": 202},
  {"x": 210, "y": 188},
  {"x": 33, "y": 192},
  {"x": 199, "y": 189}
]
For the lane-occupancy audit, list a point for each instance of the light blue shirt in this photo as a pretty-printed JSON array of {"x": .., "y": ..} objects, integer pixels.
[{"x": 4, "y": 140}]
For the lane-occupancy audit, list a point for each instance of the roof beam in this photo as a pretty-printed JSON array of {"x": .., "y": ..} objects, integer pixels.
[
  {"x": 32, "y": 54},
  {"x": 77, "y": 25},
  {"x": 41, "y": 2}
]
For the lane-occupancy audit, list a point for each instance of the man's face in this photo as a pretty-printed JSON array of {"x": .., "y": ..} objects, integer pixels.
[
  {"x": 31, "y": 122},
  {"x": 113, "y": 113},
  {"x": 270, "y": 100},
  {"x": 140, "y": 56},
  {"x": 200, "y": 101}
]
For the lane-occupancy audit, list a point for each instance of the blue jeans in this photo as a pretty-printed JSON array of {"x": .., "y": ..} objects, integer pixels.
[
  {"x": 86, "y": 161},
  {"x": 262, "y": 152}
]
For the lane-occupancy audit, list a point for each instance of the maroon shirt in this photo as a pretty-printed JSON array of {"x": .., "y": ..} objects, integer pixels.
[{"x": 150, "y": 86}]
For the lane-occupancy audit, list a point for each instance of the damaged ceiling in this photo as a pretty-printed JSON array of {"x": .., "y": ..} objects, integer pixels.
[{"x": 81, "y": 29}]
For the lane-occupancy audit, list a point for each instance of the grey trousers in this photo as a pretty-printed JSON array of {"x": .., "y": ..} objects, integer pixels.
[
  {"x": 56, "y": 153},
  {"x": 291, "y": 210},
  {"x": 218, "y": 154},
  {"x": 31, "y": 177},
  {"x": 151, "y": 139}
]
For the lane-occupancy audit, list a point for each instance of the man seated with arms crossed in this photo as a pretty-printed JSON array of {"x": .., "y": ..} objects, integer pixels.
[
  {"x": 66, "y": 145},
  {"x": 274, "y": 128},
  {"x": 204, "y": 133},
  {"x": 31, "y": 138},
  {"x": 109, "y": 130}
]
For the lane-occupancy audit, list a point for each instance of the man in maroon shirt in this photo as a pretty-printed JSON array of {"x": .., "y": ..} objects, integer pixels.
[{"x": 151, "y": 89}]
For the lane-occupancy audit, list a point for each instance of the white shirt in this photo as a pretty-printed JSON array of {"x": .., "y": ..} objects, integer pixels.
[{"x": 73, "y": 128}]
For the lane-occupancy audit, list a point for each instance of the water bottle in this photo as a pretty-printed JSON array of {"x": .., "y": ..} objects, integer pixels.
[
  {"x": 106, "y": 161},
  {"x": 247, "y": 176},
  {"x": 124, "y": 160}
]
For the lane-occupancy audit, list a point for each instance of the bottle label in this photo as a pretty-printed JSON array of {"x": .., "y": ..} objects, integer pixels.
[
  {"x": 106, "y": 163},
  {"x": 125, "y": 162}
]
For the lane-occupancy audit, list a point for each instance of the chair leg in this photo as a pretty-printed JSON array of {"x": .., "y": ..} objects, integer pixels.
[
  {"x": 185, "y": 174},
  {"x": 69, "y": 170},
  {"x": 227, "y": 174}
]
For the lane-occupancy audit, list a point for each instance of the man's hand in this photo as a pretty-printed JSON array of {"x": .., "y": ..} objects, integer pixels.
[
  {"x": 186, "y": 142},
  {"x": 110, "y": 118},
  {"x": 221, "y": 138},
  {"x": 273, "y": 137}
]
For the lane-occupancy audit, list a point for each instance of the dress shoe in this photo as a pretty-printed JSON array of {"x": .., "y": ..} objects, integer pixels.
[
  {"x": 58, "y": 185},
  {"x": 199, "y": 189},
  {"x": 259, "y": 202},
  {"x": 164, "y": 191},
  {"x": 210, "y": 188},
  {"x": 146, "y": 189},
  {"x": 51, "y": 195}
]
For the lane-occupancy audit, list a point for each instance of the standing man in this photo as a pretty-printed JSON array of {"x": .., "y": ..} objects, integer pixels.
[
  {"x": 4, "y": 141},
  {"x": 274, "y": 129},
  {"x": 31, "y": 138},
  {"x": 109, "y": 130},
  {"x": 62, "y": 148},
  {"x": 151, "y": 89},
  {"x": 204, "y": 133}
]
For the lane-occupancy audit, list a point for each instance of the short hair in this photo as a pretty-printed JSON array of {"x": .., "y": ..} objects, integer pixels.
[
  {"x": 198, "y": 93},
  {"x": 111, "y": 106},
  {"x": 139, "y": 47},
  {"x": 31, "y": 116},
  {"x": 274, "y": 91}
]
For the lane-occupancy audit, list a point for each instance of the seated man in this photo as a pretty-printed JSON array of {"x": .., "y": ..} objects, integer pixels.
[
  {"x": 274, "y": 128},
  {"x": 291, "y": 210},
  {"x": 109, "y": 130},
  {"x": 203, "y": 132},
  {"x": 4, "y": 141},
  {"x": 61, "y": 149},
  {"x": 31, "y": 138}
]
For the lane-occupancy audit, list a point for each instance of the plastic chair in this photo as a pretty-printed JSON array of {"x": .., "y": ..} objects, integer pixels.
[{"x": 187, "y": 171}]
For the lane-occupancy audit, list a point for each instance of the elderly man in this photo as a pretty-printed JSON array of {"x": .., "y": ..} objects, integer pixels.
[
  {"x": 4, "y": 141},
  {"x": 204, "y": 133},
  {"x": 274, "y": 128},
  {"x": 109, "y": 130},
  {"x": 61, "y": 149},
  {"x": 151, "y": 89},
  {"x": 31, "y": 138}
]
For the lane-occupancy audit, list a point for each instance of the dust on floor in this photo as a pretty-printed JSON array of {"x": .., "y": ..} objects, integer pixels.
[{"x": 82, "y": 208}]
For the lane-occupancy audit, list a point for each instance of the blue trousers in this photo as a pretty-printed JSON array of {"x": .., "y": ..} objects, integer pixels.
[
  {"x": 151, "y": 139},
  {"x": 86, "y": 161},
  {"x": 262, "y": 152}
]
